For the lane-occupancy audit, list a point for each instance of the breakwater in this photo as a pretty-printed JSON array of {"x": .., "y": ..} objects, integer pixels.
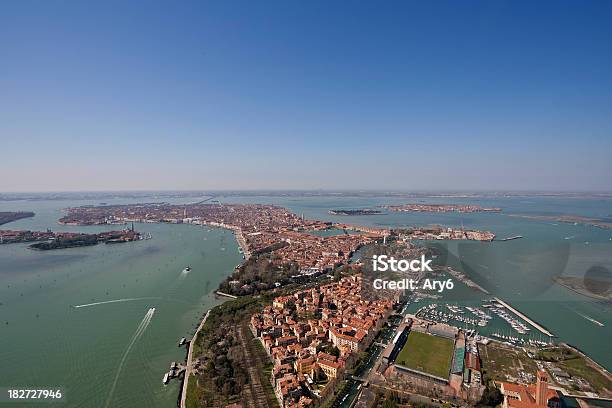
[{"x": 524, "y": 317}]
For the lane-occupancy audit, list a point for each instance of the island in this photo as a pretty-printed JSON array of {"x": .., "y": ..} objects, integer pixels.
[
  {"x": 265, "y": 230},
  {"x": 9, "y": 216},
  {"x": 355, "y": 212},
  {"x": 284, "y": 246},
  {"x": 48, "y": 240},
  {"x": 569, "y": 219},
  {"x": 438, "y": 232},
  {"x": 578, "y": 285},
  {"x": 19, "y": 236},
  {"x": 412, "y": 207}
]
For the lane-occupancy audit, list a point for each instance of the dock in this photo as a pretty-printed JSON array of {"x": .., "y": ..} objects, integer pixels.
[
  {"x": 219, "y": 293},
  {"x": 524, "y": 317},
  {"x": 189, "y": 365}
]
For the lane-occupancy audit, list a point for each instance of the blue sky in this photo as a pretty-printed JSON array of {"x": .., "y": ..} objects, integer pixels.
[{"x": 489, "y": 95}]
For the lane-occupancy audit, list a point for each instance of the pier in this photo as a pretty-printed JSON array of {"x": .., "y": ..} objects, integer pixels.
[
  {"x": 189, "y": 365},
  {"x": 522, "y": 316},
  {"x": 219, "y": 293}
]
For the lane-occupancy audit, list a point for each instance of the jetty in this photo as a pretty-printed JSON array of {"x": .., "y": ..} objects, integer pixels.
[
  {"x": 219, "y": 293},
  {"x": 466, "y": 280},
  {"x": 524, "y": 317},
  {"x": 189, "y": 365}
]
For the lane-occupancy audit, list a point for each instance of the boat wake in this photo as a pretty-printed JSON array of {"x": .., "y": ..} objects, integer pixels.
[
  {"x": 185, "y": 272},
  {"x": 137, "y": 334},
  {"x": 114, "y": 301},
  {"x": 590, "y": 319}
]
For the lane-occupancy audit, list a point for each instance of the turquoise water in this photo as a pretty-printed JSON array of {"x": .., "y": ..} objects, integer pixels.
[{"x": 46, "y": 342}]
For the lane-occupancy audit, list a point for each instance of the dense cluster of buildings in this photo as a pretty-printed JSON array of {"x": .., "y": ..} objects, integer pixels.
[
  {"x": 316, "y": 253},
  {"x": 259, "y": 228},
  {"x": 67, "y": 239},
  {"x": 441, "y": 208},
  {"x": 299, "y": 331},
  {"x": 443, "y": 233},
  {"x": 267, "y": 228},
  {"x": 16, "y": 236}
]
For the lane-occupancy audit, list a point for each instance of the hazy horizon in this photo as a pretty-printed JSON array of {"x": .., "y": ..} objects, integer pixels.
[
  {"x": 415, "y": 192},
  {"x": 444, "y": 96}
]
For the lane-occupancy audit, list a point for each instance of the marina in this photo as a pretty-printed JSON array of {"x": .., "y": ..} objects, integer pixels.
[
  {"x": 509, "y": 325},
  {"x": 456, "y": 314},
  {"x": 527, "y": 319}
]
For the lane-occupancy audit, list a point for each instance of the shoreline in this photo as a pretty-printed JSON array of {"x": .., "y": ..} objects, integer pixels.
[
  {"x": 594, "y": 364},
  {"x": 580, "y": 291},
  {"x": 241, "y": 241},
  {"x": 12, "y": 216},
  {"x": 188, "y": 368},
  {"x": 237, "y": 233}
]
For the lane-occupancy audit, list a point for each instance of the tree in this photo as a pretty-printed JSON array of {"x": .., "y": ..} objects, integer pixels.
[{"x": 491, "y": 397}]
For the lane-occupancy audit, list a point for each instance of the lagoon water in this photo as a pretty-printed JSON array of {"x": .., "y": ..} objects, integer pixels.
[{"x": 46, "y": 342}]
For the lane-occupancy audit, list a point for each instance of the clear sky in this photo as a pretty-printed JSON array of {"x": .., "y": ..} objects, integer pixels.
[{"x": 457, "y": 95}]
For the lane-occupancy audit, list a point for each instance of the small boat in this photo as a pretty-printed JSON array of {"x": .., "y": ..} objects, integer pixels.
[
  {"x": 166, "y": 378},
  {"x": 187, "y": 269},
  {"x": 182, "y": 341}
]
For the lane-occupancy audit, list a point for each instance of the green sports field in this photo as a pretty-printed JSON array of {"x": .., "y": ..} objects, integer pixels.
[{"x": 430, "y": 354}]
